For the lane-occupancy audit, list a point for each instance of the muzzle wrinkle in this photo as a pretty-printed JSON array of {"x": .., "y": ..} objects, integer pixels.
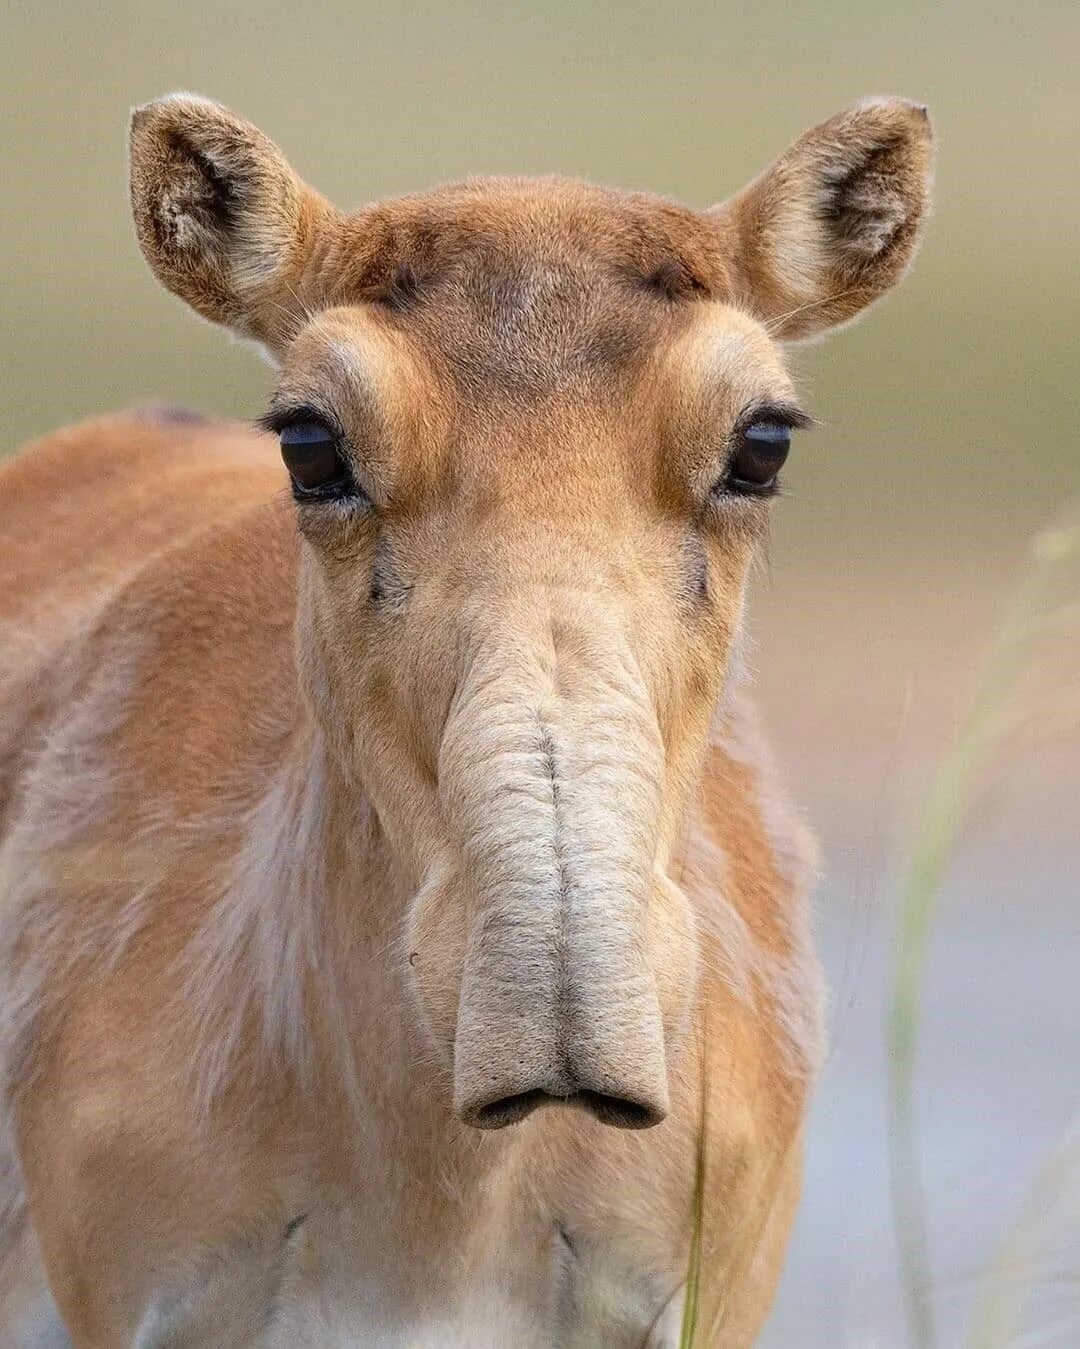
[{"x": 551, "y": 788}]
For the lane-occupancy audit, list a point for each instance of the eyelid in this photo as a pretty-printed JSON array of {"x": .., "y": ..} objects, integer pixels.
[
  {"x": 277, "y": 417},
  {"x": 782, "y": 413}
]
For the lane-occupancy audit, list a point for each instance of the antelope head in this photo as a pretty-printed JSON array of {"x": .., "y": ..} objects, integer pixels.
[{"x": 534, "y": 429}]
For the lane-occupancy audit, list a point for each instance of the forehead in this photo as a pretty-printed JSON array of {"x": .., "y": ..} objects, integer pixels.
[
  {"x": 525, "y": 285},
  {"x": 507, "y": 222},
  {"x": 527, "y": 319}
]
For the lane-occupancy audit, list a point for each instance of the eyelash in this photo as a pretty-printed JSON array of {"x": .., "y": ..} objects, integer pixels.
[
  {"x": 782, "y": 414},
  {"x": 278, "y": 419}
]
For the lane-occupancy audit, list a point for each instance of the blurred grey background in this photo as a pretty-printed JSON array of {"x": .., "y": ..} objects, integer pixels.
[{"x": 949, "y": 428}]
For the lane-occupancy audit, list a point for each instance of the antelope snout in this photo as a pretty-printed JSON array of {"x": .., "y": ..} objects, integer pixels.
[{"x": 547, "y": 1027}]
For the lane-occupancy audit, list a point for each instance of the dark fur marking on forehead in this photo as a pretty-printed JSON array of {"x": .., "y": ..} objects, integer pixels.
[
  {"x": 400, "y": 291},
  {"x": 674, "y": 280},
  {"x": 531, "y": 287}
]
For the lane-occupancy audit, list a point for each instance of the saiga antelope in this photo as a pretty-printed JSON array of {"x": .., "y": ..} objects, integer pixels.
[{"x": 345, "y": 826}]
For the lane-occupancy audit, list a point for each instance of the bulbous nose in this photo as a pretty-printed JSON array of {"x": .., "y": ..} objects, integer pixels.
[
  {"x": 578, "y": 1027},
  {"x": 551, "y": 782}
]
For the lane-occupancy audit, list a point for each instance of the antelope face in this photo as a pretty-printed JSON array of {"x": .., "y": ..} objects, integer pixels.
[{"x": 533, "y": 429}]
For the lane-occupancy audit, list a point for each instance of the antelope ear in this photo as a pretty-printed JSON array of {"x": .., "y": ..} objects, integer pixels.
[
  {"x": 834, "y": 222},
  {"x": 221, "y": 218}
]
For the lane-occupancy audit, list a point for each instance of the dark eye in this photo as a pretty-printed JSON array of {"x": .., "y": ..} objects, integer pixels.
[
  {"x": 759, "y": 453},
  {"x": 312, "y": 456}
]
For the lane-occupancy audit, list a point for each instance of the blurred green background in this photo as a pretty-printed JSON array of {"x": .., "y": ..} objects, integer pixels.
[
  {"x": 949, "y": 415},
  {"x": 949, "y": 412}
]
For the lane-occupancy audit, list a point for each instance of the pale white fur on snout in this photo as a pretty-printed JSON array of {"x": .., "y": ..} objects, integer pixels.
[{"x": 551, "y": 784}]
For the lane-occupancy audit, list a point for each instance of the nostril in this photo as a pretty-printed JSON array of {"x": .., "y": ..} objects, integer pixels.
[
  {"x": 506, "y": 1110},
  {"x": 616, "y": 1111},
  {"x": 613, "y": 1110}
]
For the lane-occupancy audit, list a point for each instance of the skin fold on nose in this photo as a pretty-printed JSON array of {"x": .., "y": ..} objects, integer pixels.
[{"x": 556, "y": 803}]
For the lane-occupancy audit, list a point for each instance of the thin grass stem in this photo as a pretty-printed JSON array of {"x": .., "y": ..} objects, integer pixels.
[
  {"x": 920, "y": 887},
  {"x": 691, "y": 1302}
]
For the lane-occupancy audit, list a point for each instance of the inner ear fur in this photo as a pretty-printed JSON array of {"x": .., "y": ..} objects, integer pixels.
[
  {"x": 221, "y": 218},
  {"x": 833, "y": 223}
]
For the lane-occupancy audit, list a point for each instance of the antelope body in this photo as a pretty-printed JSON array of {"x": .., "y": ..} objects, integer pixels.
[{"x": 398, "y": 914}]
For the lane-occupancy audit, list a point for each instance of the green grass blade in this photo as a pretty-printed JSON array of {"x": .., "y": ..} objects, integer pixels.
[
  {"x": 918, "y": 897},
  {"x": 691, "y": 1302},
  {"x": 996, "y": 1318}
]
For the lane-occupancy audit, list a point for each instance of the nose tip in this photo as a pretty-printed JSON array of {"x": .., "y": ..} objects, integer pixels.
[
  {"x": 549, "y": 1018},
  {"x": 613, "y": 1066},
  {"x": 617, "y": 1111}
]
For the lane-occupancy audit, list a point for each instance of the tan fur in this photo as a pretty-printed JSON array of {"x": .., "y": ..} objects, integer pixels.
[{"x": 321, "y": 845}]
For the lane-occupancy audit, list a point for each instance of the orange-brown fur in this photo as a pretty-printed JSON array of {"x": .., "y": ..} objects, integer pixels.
[{"x": 536, "y": 372}]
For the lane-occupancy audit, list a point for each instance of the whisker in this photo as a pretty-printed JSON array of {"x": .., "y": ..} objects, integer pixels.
[
  {"x": 774, "y": 324},
  {"x": 306, "y": 309}
]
